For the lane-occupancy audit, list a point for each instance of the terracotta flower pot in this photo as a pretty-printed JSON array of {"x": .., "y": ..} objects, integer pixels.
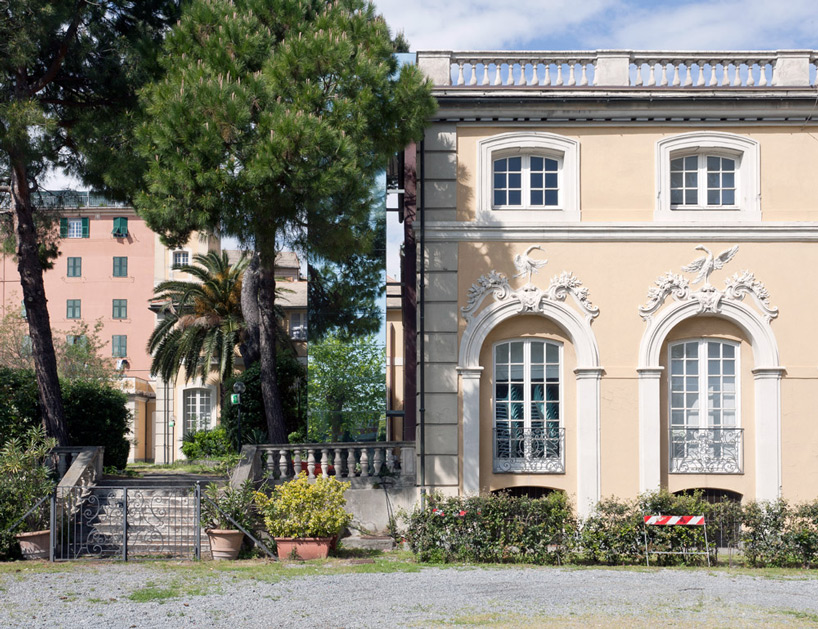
[
  {"x": 35, "y": 545},
  {"x": 224, "y": 543},
  {"x": 303, "y": 547}
]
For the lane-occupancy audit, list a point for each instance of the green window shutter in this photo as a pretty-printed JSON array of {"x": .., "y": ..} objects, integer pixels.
[
  {"x": 119, "y": 345},
  {"x": 120, "y": 309},
  {"x": 120, "y": 227},
  {"x": 120, "y": 266},
  {"x": 74, "y": 267},
  {"x": 63, "y": 228},
  {"x": 86, "y": 227}
]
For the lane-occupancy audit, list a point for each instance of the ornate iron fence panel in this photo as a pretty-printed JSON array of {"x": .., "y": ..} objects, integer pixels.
[
  {"x": 531, "y": 450},
  {"x": 706, "y": 450},
  {"x": 126, "y": 523}
]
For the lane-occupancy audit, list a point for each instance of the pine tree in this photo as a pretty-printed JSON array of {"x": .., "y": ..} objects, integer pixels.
[
  {"x": 271, "y": 124},
  {"x": 69, "y": 72}
]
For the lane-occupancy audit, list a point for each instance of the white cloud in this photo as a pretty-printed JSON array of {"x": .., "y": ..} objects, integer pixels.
[{"x": 485, "y": 24}]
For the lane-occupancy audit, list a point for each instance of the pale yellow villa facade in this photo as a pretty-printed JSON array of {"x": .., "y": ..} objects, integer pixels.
[{"x": 618, "y": 255}]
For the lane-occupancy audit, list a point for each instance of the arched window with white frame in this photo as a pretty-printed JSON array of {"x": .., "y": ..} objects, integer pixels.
[
  {"x": 528, "y": 427},
  {"x": 705, "y": 434}
]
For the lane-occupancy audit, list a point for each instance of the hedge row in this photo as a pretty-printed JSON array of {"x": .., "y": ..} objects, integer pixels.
[{"x": 499, "y": 528}]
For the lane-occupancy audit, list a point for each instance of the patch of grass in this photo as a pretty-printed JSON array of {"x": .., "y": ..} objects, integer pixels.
[
  {"x": 807, "y": 617},
  {"x": 179, "y": 467},
  {"x": 153, "y": 593}
]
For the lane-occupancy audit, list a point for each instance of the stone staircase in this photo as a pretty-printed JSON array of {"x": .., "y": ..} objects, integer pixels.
[{"x": 161, "y": 518}]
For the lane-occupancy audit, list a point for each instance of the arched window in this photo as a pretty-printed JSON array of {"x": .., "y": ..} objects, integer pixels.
[
  {"x": 528, "y": 430},
  {"x": 705, "y": 433}
]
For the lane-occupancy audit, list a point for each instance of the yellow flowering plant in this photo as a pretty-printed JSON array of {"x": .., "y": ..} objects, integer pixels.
[{"x": 299, "y": 508}]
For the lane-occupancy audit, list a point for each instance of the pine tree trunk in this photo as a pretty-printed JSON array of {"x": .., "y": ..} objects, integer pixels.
[
  {"x": 267, "y": 344},
  {"x": 39, "y": 324},
  {"x": 249, "y": 347}
]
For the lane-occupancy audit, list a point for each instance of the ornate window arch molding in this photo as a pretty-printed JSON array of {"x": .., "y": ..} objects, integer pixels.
[
  {"x": 552, "y": 304},
  {"x": 755, "y": 323},
  {"x": 745, "y": 150},
  {"x": 564, "y": 150}
]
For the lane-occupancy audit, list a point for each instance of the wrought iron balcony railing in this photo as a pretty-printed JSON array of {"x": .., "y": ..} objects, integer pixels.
[
  {"x": 706, "y": 450},
  {"x": 529, "y": 450}
]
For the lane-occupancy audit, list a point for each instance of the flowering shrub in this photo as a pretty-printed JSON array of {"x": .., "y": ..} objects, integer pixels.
[
  {"x": 492, "y": 528},
  {"x": 299, "y": 508}
]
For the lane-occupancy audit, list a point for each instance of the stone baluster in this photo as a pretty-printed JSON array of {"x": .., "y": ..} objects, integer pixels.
[
  {"x": 390, "y": 460},
  {"x": 677, "y": 81},
  {"x": 652, "y": 76},
  {"x": 351, "y": 463},
  {"x": 271, "y": 464},
  {"x": 498, "y": 77},
  {"x": 311, "y": 463},
  {"x": 547, "y": 79},
  {"x": 584, "y": 79},
  {"x": 689, "y": 75},
  {"x": 663, "y": 64},
  {"x": 559, "y": 73},
  {"x": 283, "y": 464},
  {"x": 700, "y": 80},
  {"x": 535, "y": 73},
  {"x": 713, "y": 78},
  {"x": 751, "y": 81},
  {"x": 737, "y": 77},
  {"x": 325, "y": 463},
  {"x": 638, "y": 80},
  {"x": 62, "y": 464},
  {"x": 296, "y": 454},
  {"x": 460, "y": 79},
  {"x": 725, "y": 78},
  {"x": 377, "y": 462},
  {"x": 339, "y": 472},
  {"x": 762, "y": 73},
  {"x": 485, "y": 80},
  {"x": 571, "y": 78},
  {"x": 521, "y": 77},
  {"x": 473, "y": 77},
  {"x": 364, "y": 462}
]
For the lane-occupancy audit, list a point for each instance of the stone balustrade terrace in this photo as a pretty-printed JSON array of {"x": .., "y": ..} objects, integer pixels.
[{"x": 654, "y": 69}]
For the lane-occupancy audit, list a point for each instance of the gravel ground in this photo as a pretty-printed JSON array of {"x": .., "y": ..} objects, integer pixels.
[{"x": 146, "y": 595}]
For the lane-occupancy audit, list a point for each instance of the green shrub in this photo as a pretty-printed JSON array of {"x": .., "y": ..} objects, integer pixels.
[
  {"x": 95, "y": 412},
  {"x": 207, "y": 444},
  {"x": 96, "y": 415},
  {"x": 493, "y": 528},
  {"x": 613, "y": 533},
  {"x": 236, "y": 502},
  {"x": 26, "y": 479},
  {"x": 778, "y": 534}
]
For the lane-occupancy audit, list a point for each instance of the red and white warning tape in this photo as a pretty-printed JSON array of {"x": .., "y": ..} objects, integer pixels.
[{"x": 674, "y": 520}]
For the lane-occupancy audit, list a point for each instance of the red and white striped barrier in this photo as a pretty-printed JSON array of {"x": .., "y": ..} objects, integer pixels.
[{"x": 674, "y": 520}]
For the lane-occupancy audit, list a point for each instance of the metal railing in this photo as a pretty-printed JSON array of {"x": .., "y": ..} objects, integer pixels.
[
  {"x": 529, "y": 450},
  {"x": 706, "y": 450}
]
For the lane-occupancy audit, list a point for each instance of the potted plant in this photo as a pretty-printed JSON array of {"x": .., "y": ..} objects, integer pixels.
[
  {"x": 220, "y": 502},
  {"x": 304, "y": 517},
  {"x": 27, "y": 478}
]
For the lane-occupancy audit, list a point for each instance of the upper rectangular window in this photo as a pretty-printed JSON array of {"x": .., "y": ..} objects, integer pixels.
[
  {"x": 528, "y": 177},
  {"x": 75, "y": 227},
  {"x": 73, "y": 309},
  {"x": 710, "y": 176},
  {"x": 181, "y": 258},
  {"x": 298, "y": 325},
  {"x": 74, "y": 267},
  {"x": 120, "y": 227},
  {"x": 119, "y": 346},
  {"x": 120, "y": 309},
  {"x": 526, "y": 181},
  {"x": 120, "y": 266}
]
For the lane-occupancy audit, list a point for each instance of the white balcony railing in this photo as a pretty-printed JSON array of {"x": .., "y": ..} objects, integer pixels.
[
  {"x": 706, "y": 450},
  {"x": 659, "y": 69},
  {"x": 529, "y": 450}
]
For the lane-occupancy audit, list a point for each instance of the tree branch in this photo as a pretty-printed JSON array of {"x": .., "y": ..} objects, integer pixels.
[{"x": 56, "y": 63}]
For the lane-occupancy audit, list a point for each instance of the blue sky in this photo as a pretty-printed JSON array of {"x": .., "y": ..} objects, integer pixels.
[{"x": 600, "y": 24}]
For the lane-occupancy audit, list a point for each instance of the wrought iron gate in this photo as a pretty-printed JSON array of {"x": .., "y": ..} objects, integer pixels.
[{"x": 126, "y": 523}]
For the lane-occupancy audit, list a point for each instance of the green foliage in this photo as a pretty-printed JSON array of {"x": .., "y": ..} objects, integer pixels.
[
  {"x": 207, "y": 444},
  {"x": 95, "y": 412},
  {"x": 292, "y": 387},
  {"x": 613, "y": 533},
  {"x": 495, "y": 528},
  {"x": 779, "y": 534},
  {"x": 236, "y": 502},
  {"x": 299, "y": 508},
  {"x": 346, "y": 388},
  {"x": 201, "y": 323},
  {"x": 26, "y": 479},
  {"x": 96, "y": 415}
]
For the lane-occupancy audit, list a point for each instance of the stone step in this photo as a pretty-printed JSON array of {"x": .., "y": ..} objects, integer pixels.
[
  {"x": 368, "y": 542},
  {"x": 159, "y": 480}
]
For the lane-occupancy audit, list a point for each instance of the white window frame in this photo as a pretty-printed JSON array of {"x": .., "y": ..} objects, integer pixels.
[
  {"x": 298, "y": 331},
  {"x": 526, "y": 144},
  {"x": 196, "y": 393},
  {"x": 719, "y": 144},
  {"x": 74, "y": 227},
  {"x": 527, "y": 398},
  {"x": 173, "y": 257}
]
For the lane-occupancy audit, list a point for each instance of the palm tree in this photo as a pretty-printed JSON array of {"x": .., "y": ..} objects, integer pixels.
[{"x": 202, "y": 323}]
